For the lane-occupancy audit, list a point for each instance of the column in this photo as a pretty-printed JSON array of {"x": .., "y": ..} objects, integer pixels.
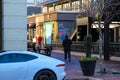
[
  {"x": 1, "y": 24},
  {"x": 117, "y": 34},
  {"x": 70, "y": 5},
  {"x": 14, "y": 25},
  {"x": 106, "y": 42}
]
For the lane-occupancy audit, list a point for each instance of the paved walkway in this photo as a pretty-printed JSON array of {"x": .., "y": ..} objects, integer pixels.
[{"x": 73, "y": 68}]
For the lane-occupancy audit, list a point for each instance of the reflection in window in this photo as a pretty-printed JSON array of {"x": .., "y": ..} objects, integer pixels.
[
  {"x": 20, "y": 58},
  {"x": 15, "y": 57},
  {"x": 7, "y": 58},
  {"x": 30, "y": 57}
]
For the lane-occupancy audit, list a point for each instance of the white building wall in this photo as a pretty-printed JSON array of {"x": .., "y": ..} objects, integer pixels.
[{"x": 14, "y": 25}]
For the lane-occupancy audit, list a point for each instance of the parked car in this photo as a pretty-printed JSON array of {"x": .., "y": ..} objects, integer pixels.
[{"x": 25, "y": 65}]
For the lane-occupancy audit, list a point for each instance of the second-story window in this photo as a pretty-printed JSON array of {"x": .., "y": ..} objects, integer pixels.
[
  {"x": 75, "y": 5},
  {"x": 66, "y": 6},
  {"x": 58, "y": 7},
  {"x": 51, "y": 9},
  {"x": 85, "y": 4},
  {"x": 44, "y": 9}
]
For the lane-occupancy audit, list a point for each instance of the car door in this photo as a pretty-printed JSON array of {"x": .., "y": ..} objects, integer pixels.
[{"x": 12, "y": 67}]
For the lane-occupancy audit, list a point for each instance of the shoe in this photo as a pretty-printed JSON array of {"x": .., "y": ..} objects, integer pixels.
[
  {"x": 65, "y": 58},
  {"x": 69, "y": 60}
]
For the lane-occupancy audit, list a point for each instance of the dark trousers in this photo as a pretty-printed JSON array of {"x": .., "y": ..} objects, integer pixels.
[
  {"x": 34, "y": 48},
  {"x": 67, "y": 54},
  {"x": 39, "y": 47}
]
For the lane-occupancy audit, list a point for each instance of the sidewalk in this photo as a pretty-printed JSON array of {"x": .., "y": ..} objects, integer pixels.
[
  {"x": 74, "y": 72},
  {"x": 80, "y": 54}
]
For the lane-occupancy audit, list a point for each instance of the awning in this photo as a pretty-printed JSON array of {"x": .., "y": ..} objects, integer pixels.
[{"x": 32, "y": 26}]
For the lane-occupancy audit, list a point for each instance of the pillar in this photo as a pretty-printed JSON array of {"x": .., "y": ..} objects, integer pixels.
[
  {"x": 14, "y": 25},
  {"x": 106, "y": 42},
  {"x": 0, "y": 25}
]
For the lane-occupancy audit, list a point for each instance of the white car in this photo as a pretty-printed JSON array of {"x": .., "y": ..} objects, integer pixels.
[{"x": 25, "y": 65}]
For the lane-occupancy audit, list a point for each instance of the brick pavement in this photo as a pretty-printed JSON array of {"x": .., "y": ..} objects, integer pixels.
[{"x": 73, "y": 68}]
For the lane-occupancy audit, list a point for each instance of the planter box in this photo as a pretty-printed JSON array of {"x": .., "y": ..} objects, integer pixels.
[{"x": 88, "y": 67}]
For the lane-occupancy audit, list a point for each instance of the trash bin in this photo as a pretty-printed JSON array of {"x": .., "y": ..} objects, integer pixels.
[{"x": 48, "y": 50}]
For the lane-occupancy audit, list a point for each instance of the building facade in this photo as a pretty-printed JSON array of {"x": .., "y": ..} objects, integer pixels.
[
  {"x": 62, "y": 23},
  {"x": 13, "y": 27},
  {"x": 62, "y": 11}
]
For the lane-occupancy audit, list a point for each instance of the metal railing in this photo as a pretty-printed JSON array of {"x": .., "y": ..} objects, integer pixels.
[{"x": 114, "y": 48}]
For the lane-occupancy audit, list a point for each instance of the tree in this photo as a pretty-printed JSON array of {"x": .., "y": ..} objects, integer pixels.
[
  {"x": 110, "y": 11},
  {"x": 98, "y": 9}
]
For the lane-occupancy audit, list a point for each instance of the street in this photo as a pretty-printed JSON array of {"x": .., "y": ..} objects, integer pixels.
[{"x": 73, "y": 69}]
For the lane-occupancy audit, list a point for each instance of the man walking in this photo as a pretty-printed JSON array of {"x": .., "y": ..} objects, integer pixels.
[{"x": 67, "y": 45}]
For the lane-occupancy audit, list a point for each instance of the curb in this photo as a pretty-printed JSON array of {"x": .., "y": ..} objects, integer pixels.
[{"x": 84, "y": 78}]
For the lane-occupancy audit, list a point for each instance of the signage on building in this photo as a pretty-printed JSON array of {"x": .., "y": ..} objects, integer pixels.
[{"x": 48, "y": 33}]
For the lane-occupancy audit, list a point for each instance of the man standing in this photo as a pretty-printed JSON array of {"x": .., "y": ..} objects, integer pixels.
[
  {"x": 67, "y": 45},
  {"x": 39, "y": 40}
]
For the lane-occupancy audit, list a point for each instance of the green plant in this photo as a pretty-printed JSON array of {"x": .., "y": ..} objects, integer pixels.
[
  {"x": 88, "y": 48},
  {"x": 88, "y": 45},
  {"x": 88, "y": 63},
  {"x": 87, "y": 58},
  {"x": 58, "y": 38}
]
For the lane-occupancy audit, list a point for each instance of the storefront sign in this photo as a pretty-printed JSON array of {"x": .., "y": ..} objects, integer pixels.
[{"x": 48, "y": 33}]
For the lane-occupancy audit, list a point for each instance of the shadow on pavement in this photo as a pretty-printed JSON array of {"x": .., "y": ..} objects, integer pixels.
[{"x": 77, "y": 79}]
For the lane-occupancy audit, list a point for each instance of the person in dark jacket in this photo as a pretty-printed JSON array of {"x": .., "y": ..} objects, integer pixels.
[
  {"x": 67, "y": 48},
  {"x": 34, "y": 47}
]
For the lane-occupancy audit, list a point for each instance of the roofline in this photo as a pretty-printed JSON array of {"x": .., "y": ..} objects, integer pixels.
[{"x": 47, "y": 2}]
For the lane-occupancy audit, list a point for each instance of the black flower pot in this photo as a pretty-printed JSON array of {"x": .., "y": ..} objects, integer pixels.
[{"x": 88, "y": 67}]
